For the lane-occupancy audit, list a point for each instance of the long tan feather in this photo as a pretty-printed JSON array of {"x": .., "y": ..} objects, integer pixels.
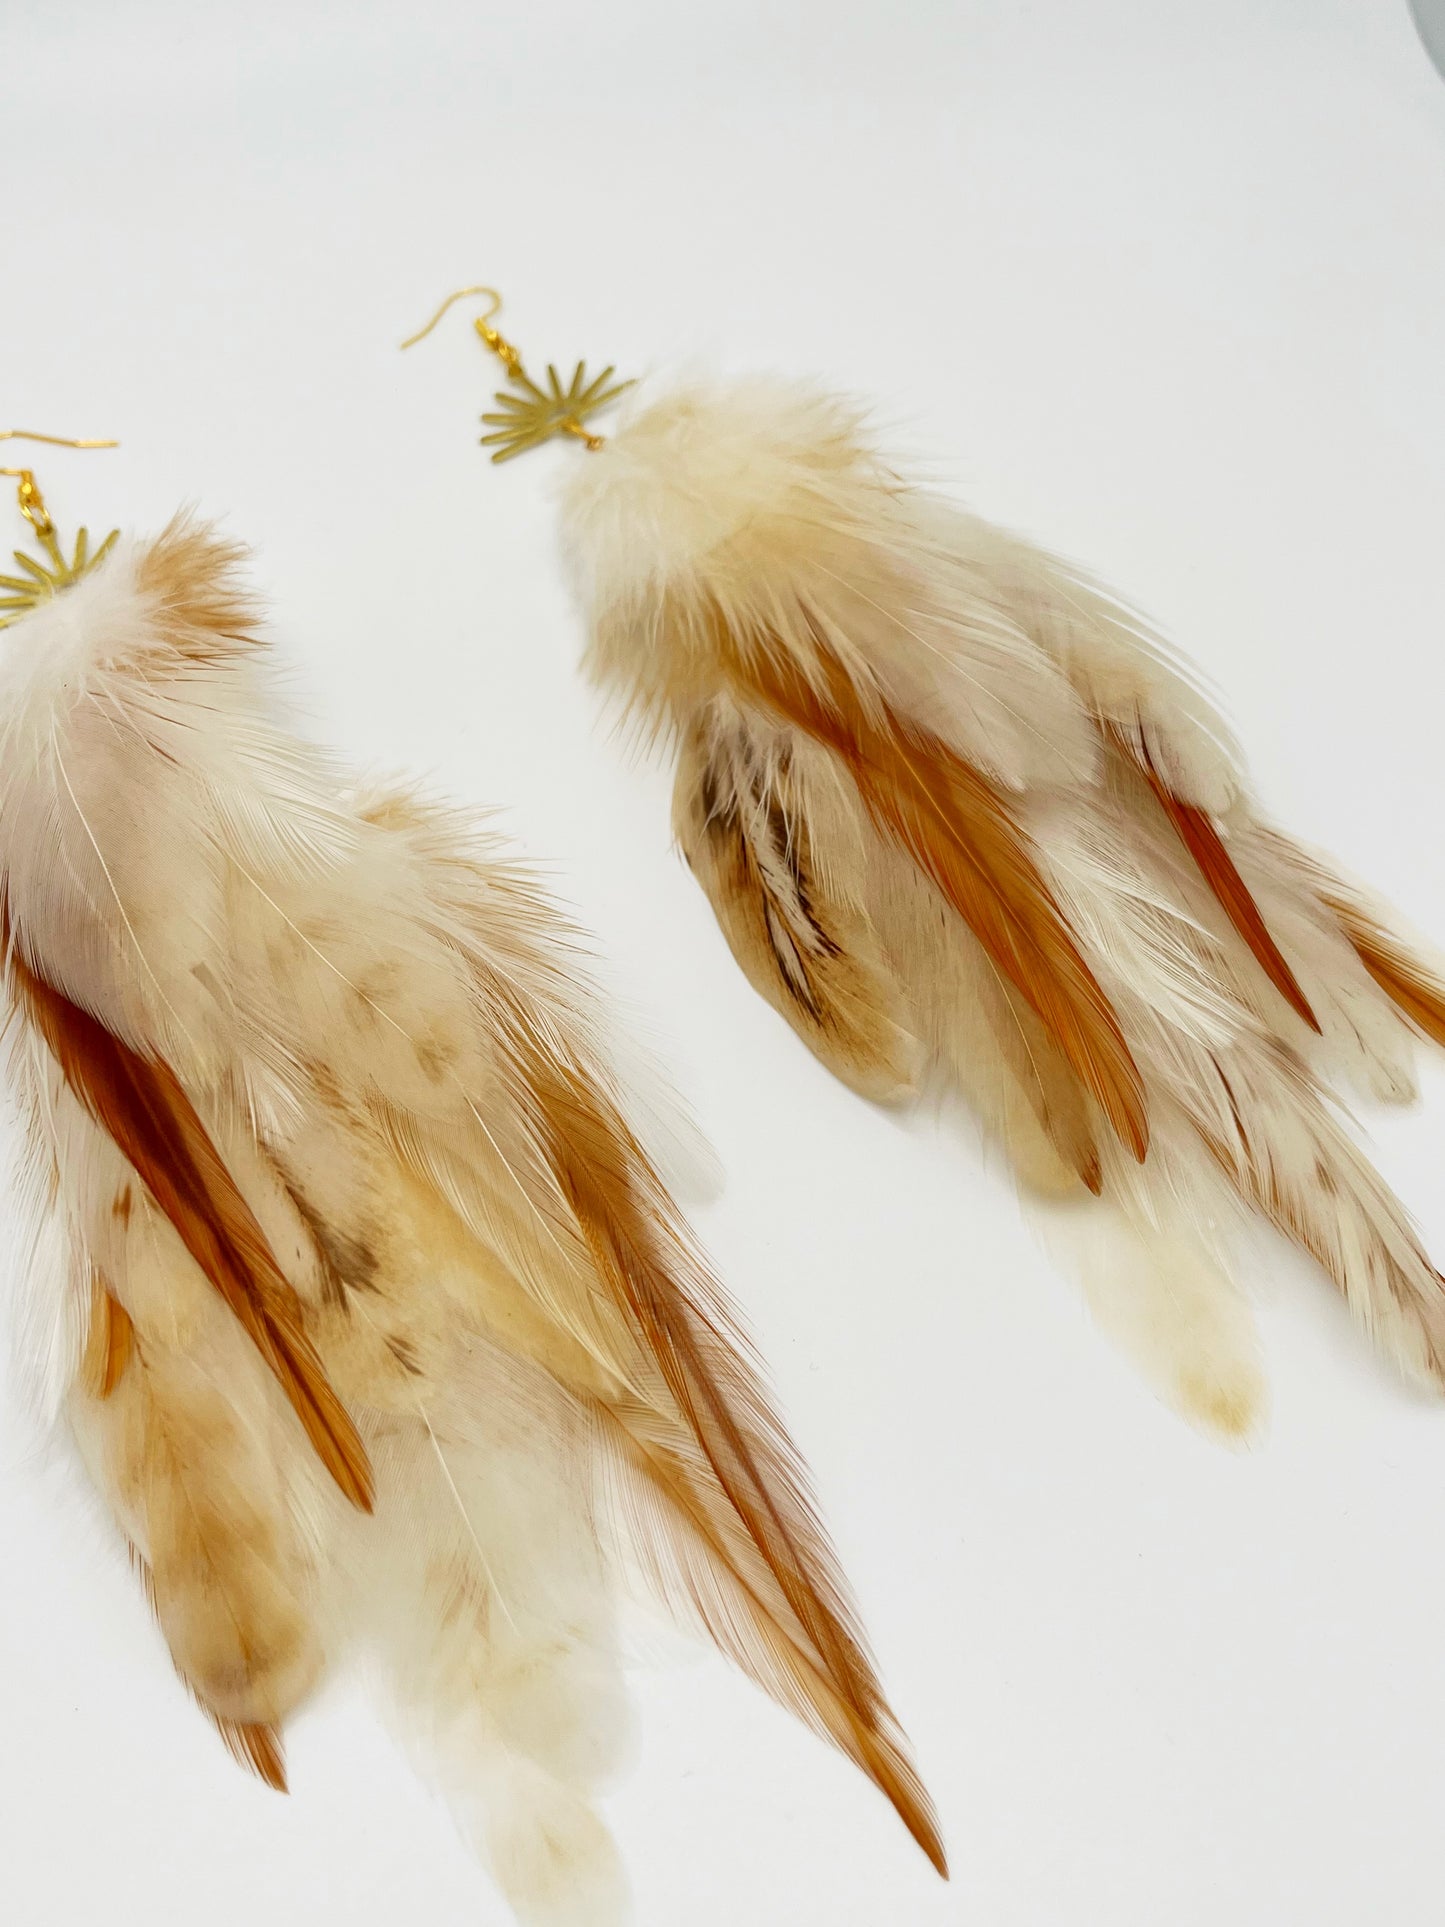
[
  {"x": 1316, "y": 1187},
  {"x": 1199, "y": 834},
  {"x": 983, "y": 1036},
  {"x": 256, "y": 1746},
  {"x": 227, "y": 1568},
  {"x": 961, "y": 833},
  {"x": 1411, "y": 984},
  {"x": 643, "y": 1258},
  {"x": 748, "y": 841},
  {"x": 1050, "y": 1088},
  {"x": 154, "y": 1125}
]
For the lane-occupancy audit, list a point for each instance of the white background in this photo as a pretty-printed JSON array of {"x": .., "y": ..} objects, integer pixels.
[{"x": 1161, "y": 283}]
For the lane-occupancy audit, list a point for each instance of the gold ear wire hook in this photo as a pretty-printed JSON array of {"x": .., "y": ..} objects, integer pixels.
[
  {"x": 535, "y": 414},
  {"x": 32, "y": 502},
  {"x": 19, "y": 594},
  {"x": 450, "y": 302},
  {"x": 55, "y": 441},
  {"x": 503, "y": 349}
]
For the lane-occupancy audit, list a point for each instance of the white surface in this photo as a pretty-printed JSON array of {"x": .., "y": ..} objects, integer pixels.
[{"x": 1161, "y": 283}]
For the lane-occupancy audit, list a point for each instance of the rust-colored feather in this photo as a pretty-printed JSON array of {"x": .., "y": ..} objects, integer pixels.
[
  {"x": 640, "y": 1252},
  {"x": 256, "y": 1747},
  {"x": 1410, "y": 984},
  {"x": 154, "y": 1124},
  {"x": 1199, "y": 834},
  {"x": 962, "y": 835}
]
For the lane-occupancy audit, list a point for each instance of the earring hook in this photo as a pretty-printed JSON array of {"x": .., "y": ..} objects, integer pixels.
[
  {"x": 451, "y": 300},
  {"x": 31, "y": 501},
  {"x": 509, "y": 356},
  {"x": 55, "y": 441}
]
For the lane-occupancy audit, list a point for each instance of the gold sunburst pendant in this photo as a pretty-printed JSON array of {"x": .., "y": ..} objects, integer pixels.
[
  {"x": 533, "y": 414},
  {"x": 20, "y": 594}
]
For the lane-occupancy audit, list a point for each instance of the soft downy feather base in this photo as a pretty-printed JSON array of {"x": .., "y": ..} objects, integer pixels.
[
  {"x": 372, "y": 1316},
  {"x": 961, "y": 814}
]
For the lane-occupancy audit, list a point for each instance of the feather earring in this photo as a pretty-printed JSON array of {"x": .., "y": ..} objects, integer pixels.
[
  {"x": 372, "y": 1316},
  {"x": 963, "y": 815}
]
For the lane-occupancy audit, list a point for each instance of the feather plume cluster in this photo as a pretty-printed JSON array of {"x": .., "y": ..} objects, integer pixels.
[
  {"x": 959, "y": 811},
  {"x": 372, "y": 1316}
]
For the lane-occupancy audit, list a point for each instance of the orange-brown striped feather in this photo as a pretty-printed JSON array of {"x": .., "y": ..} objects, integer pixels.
[
  {"x": 963, "y": 836},
  {"x": 638, "y": 1247},
  {"x": 143, "y": 1108},
  {"x": 1410, "y": 985},
  {"x": 1199, "y": 834}
]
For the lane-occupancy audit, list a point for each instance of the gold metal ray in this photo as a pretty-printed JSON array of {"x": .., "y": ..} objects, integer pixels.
[
  {"x": 533, "y": 415},
  {"x": 43, "y": 580}
]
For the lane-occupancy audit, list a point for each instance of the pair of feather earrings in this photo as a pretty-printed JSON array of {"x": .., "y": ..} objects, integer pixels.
[{"x": 372, "y": 1313}]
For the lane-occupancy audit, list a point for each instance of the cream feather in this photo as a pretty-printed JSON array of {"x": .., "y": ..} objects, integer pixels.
[
  {"x": 379, "y": 1328},
  {"x": 960, "y": 810}
]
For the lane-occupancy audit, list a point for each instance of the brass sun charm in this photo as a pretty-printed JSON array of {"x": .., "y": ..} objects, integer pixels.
[
  {"x": 22, "y": 593},
  {"x": 534, "y": 414}
]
